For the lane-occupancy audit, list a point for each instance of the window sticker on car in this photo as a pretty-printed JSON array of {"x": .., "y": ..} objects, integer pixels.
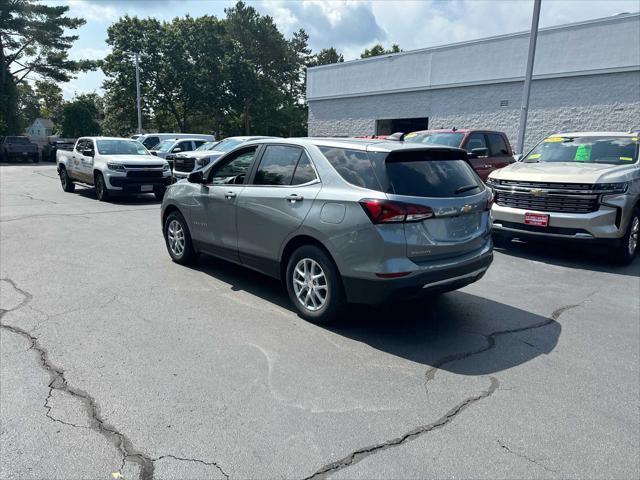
[
  {"x": 583, "y": 153},
  {"x": 626, "y": 159},
  {"x": 554, "y": 139},
  {"x": 535, "y": 155},
  {"x": 634, "y": 139}
]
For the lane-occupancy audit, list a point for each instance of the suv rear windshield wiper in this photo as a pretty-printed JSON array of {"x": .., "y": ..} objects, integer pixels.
[{"x": 465, "y": 188}]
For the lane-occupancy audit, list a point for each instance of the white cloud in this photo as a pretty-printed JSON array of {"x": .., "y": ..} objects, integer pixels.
[{"x": 93, "y": 11}]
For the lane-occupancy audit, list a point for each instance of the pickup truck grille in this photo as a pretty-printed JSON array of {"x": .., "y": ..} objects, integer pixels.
[
  {"x": 184, "y": 164},
  {"x": 145, "y": 174},
  {"x": 546, "y": 197}
]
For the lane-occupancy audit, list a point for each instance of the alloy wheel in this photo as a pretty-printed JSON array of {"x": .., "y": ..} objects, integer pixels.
[
  {"x": 176, "y": 238},
  {"x": 310, "y": 284},
  {"x": 63, "y": 178},
  {"x": 633, "y": 235}
]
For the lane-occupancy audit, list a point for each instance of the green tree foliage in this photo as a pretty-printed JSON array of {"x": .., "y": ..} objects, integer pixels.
[
  {"x": 49, "y": 95},
  {"x": 80, "y": 116},
  {"x": 28, "y": 108},
  {"x": 33, "y": 43},
  {"x": 380, "y": 50},
  {"x": 227, "y": 76},
  {"x": 326, "y": 56}
]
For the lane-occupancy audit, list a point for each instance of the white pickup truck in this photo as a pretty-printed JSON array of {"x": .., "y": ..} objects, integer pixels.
[{"x": 112, "y": 166}]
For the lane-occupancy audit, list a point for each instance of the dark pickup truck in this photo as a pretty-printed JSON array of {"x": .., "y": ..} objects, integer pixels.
[
  {"x": 53, "y": 145},
  {"x": 14, "y": 148}
]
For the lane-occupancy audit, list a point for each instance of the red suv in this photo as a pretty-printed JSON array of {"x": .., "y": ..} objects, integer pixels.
[{"x": 488, "y": 150}]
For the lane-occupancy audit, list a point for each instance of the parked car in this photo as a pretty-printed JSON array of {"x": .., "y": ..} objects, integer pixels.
[
  {"x": 338, "y": 220},
  {"x": 185, "y": 163},
  {"x": 53, "y": 145},
  {"x": 174, "y": 145},
  {"x": 14, "y": 147},
  {"x": 151, "y": 140},
  {"x": 582, "y": 186},
  {"x": 487, "y": 150},
  {"x": 202, "y": 148},
  {"x": 113, "y": 166}
]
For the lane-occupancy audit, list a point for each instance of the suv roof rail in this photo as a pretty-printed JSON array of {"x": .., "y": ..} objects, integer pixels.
[{"x": 397, "y": 137}]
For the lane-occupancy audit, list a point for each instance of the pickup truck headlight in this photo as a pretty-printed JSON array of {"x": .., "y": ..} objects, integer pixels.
[
  {"x": 611, "y": 187},
  {"x": 201, "y": 162},
  {"x": 116, "y": 167},
  {"x": 166, "y": 167}
]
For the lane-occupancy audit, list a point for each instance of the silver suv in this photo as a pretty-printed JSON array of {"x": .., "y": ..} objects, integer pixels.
[
  {"x": 337, "y": 220},
  {"x": 582, "y": 186}
]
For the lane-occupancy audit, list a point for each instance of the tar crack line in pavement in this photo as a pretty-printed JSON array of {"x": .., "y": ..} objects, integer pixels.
[{"x": 59, "y": 382}]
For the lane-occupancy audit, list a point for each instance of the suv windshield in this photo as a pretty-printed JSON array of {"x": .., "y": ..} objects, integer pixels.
[
  {"x": 165, "y": 145},
  {"x": 612, "y": 150},
  {"x": 207, "y": 146},
  {"x": 437, "y": 138},
  {"x": 120, "y": 147},
  {"x": 227, "y": 145}
]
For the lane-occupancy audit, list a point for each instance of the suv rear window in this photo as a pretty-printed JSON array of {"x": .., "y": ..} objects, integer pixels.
[
  {"x": 430, "y": 174},
  {"x": 353, "y": 166}
]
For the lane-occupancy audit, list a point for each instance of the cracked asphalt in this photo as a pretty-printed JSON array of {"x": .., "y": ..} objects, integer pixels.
[{"x": 117, "y": 363}]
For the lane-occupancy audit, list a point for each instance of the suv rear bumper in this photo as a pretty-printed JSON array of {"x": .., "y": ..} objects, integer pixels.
[{"x": 452, "y": 277}]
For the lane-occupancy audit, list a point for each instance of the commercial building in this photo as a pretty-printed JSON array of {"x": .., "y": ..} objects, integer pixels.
[{"x": 586, "y": 77}]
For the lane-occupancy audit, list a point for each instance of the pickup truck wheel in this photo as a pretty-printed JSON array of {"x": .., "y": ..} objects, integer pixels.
[
  {"x": 626, "y": 251},
  {"x": 178, "y": 239},
  {"x": 66, "y": 182},
  {"x": 314, "y": 285},
  {"x": 501, "y": 240},
  {"x": 101, "y": 188}
]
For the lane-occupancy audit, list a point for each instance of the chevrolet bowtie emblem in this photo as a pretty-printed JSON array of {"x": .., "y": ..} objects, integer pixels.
[
  {"x": 536, "y": 192},
  {"x": 466, "y": 208}
]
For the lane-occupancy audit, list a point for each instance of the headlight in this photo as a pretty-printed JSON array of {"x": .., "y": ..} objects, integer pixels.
[
  {"x": 166, "y": 167},
  {"x": 116, "y": 167},
  {"x": 201, "y": 162},
  {"x": 611, "y": 187}
]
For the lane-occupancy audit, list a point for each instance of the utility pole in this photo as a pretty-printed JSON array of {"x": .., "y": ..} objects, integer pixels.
[
  {"x": 527, "y": 79},
  {"x": 138, "y": 92}
]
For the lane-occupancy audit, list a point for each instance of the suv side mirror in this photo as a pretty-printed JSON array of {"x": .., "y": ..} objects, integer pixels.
[
  {"x": 88, "y": 152},
  {"x": 196, "y": 177},
  {"x": 176, "y": 150},
  {"x": 479, "y": 152}
]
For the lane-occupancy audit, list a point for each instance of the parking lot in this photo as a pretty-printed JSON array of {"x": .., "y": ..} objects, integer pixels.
[{"x": 118, "y": 363}]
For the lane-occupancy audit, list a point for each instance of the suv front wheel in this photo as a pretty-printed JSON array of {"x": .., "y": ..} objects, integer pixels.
[
  {"x": 626, "y": 250},
  {"x": 314, "y": 285}
]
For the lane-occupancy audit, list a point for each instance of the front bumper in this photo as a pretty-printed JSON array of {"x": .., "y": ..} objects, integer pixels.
[
  {"x": 136, "y": 184},
  {"x": 457, "y": 273},
  {"x": 609, "y": 222}
]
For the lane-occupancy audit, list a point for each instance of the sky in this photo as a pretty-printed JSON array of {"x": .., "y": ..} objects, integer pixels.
[{"x": 348, "y": 25}]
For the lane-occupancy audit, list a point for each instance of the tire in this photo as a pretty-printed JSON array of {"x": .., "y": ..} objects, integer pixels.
[
  {"x": 159, "y": 193},
  {"x": 182, "y": 253},
  {"x": 626, "y": 250},
  {"x": 36, "y": 158},
  {"x": 101, "y": 188},
  {"x": 308, "y": 261},
  {"x": 501, "y": 240},
  {"x": 66, "y": 182}
]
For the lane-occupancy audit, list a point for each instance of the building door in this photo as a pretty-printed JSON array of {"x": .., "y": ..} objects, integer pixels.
[{"x": 404, "y": 125}]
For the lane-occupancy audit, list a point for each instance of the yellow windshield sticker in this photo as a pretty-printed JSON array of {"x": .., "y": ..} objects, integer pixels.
[
  {"x": 583, "y": 153},
  {"x": 554, "y": 139},
  {"x": 409, "y": 135},
  {"x": 626, "y": 159},
  {"x": 535, "y": 155},
  {"x": 635, "y": 139}
]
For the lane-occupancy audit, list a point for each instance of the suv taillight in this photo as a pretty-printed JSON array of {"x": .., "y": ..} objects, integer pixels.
[
  {"x": 490, "y": 200},
  {"x": 387, "y": 211}
]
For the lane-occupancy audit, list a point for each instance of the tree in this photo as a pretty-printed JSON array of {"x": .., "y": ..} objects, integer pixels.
[
  {"x": 28, "y": 107},
  {"x": 378, "y": 49},
  {"x": 326, "y": 56},
  {"x": 33, "y": 43},
  {"x": 49, "y": 95},
  {"x": 80, "y": 116}
]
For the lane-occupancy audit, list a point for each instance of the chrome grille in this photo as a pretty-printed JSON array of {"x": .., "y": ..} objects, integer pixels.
[
  {"x": 184, "y": 164},
  {"x": 546, "y": 197}
]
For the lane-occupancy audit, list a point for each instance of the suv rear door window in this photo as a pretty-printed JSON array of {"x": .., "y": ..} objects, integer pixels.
[
  {"x": 277, "y": 165},
  {"x": 497, "y": 145},
  {"x": 419, "y": 174},
  {"x": 353, "y": 166},
  {"x": 304, "y": 171}
]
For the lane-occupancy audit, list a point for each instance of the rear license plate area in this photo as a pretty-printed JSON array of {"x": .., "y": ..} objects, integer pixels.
[{"x": 536, "y": 219}]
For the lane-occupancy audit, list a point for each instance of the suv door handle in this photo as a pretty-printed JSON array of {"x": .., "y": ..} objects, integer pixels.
[
  {"x": 293, "y": 198},
  {"x": 229, "y": 195}
]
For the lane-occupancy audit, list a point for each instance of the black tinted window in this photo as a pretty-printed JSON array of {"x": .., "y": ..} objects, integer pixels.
[
  {"x": 411, "y": 174},
  {"x": 233, "y": 170},
  {"x": 151, "y": 142},
  {"x": 476, "y": 140},
  {"x": 277, "y": 165},
  {"x": 304, "y": 171},
  {"x": 497, "y": 145},
  {"x": 353, "y": 166}
]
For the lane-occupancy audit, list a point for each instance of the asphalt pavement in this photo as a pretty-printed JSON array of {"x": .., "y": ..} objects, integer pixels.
[{"x": 118, "y": 363}]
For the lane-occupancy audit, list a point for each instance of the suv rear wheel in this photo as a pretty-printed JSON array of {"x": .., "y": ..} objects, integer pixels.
[
  {"x": 314, "y": 285},
  {"x": 625, "y": 252}
]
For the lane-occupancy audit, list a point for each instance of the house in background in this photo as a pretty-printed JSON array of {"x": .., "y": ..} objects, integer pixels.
[{"x": 41, "y": 127}]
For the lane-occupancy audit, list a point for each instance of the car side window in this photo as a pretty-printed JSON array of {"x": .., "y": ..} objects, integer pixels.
[
  {"x": 497, "y": 145},
  {"x": 304, "y": 171},
  {"x": 353, "y": 166},
  {"x": 199, "y": 143},
  {"x": 80, "y": 146},
  {"x": 184, "y": 146},
  {"x": 277, "y": 165},
  {"x": 151, "y": 142},
  {"x": 476, "y": 140},
  {"x": 233, "y": 170}
]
